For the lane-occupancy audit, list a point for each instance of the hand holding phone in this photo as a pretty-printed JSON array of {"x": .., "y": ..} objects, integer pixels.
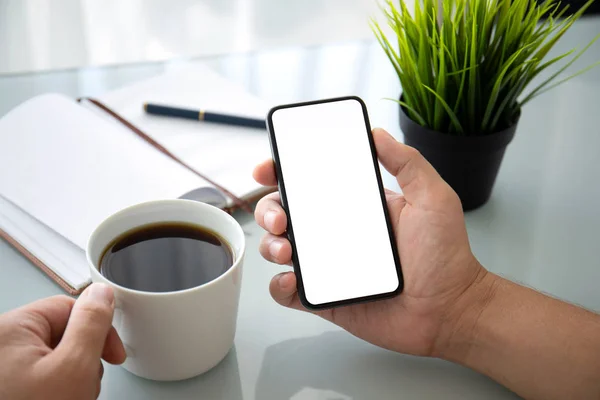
[
  {"x": 438, "y": 266},
  {"x": 321, "y": 149}
]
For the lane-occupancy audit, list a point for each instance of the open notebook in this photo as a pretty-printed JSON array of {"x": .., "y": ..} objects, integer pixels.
[{"x": 67, "y": 165}]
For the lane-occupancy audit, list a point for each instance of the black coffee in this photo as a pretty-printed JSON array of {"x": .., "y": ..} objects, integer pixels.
[{"x": 166, "y": 257}]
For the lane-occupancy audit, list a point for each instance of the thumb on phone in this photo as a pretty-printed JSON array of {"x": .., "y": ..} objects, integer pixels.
[{"x": 416, "y": 177}]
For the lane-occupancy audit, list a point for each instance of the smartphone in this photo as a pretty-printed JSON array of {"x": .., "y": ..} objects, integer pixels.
[{"x": 343, "y": 245}]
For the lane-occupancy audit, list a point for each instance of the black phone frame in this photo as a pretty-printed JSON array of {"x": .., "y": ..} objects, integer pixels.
[{"x": 290, "y": 230}]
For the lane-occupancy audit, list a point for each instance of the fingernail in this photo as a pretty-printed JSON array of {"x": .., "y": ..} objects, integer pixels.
[
  {"x": 280, "y": 282},
  {"x": 100, "y": 293},
  {"x": 275, "y": 248},
  {"x": 270, "y": 220},
  {"x": 278, "y": 279},
  {"x": 284, "y": 281}
]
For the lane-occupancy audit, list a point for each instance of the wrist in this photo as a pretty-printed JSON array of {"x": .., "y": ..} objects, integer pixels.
[{"x": 460, "y": 324}]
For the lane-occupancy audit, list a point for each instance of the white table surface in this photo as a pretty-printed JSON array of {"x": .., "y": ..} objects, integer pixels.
[{"x": 540, "y": 228}]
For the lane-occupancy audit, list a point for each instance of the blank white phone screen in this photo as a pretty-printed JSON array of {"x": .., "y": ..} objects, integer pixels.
[{"x": 338, "y": 222}]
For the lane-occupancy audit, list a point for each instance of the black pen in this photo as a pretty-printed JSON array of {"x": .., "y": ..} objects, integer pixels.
[{"x": 201, "y": 115}]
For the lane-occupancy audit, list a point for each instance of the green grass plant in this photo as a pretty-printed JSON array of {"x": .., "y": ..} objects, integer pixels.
[{"x": 466, "y": 67}]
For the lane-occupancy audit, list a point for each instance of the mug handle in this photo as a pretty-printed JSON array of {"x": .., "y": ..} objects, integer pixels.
[{"x": 117, "y": 321}]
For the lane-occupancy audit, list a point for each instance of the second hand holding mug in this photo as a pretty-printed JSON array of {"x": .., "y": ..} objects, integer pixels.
[{"x": 180, "y": 334}]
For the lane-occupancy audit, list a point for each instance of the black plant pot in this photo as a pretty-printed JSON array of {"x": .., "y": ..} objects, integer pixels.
[{"x": 469, "y": 164}]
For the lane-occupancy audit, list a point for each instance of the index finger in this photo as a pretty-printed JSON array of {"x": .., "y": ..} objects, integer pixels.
[
  {"x": 48, "y": 317},
  {"x": 264, "y": 173}
]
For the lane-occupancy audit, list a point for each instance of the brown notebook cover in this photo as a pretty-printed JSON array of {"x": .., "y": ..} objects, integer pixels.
[{"x": 244, "y": 204}]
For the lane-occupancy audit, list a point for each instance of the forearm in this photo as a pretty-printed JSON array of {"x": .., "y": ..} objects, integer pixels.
[{"x": 537, "y": 346}]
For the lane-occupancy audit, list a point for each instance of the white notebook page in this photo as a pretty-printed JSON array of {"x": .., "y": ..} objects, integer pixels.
[
  {"x": 56, "y": 252},
  {"x": 226, "y": 154},
  {"x": 70, "y": 169}
]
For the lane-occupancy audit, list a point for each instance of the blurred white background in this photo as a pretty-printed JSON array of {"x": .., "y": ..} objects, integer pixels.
[{"x": 40, "y": 35}]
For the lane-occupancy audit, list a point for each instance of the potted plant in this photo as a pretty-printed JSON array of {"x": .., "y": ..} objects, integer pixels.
[{"x": 465, "y": 68}]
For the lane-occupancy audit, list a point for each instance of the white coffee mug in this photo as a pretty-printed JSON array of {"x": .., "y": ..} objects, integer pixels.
[{"x": 173, "y": 335}]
